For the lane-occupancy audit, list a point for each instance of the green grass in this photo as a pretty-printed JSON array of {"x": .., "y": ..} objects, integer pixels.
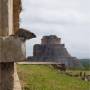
[
  {"x": 44, "y": 77},
  {"x": 87, "y": 72}
]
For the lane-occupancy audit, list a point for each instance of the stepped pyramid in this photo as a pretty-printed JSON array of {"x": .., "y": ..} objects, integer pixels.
[{"x": 51, "y": 50}]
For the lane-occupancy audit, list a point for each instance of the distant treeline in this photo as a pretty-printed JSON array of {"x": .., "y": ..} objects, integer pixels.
[{"x": 85, "y": 63}]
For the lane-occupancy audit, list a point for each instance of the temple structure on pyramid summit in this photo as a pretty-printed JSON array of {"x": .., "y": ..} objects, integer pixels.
[{"x": 52, "y": 50}]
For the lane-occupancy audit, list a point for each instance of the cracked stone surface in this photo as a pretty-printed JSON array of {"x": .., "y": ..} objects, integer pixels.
[{"x": 12, "y": 49}]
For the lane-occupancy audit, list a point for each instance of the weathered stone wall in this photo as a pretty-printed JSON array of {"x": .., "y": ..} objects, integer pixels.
[
  {"x": 17, "y": 7},
  {"x": 50, "y": 40},
  {"x": 9, "y": 16},
  {"x": 6, "y": 76},
  {"x": 50, "y": 50},
  {"x": 50, "y": 46},
  {"x": 3, "y": 17},
  {"x": 12, "y": 49},
  {"x": 70, "y": 62}
]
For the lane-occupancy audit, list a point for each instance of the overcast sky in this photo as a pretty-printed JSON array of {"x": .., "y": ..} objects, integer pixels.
[{"x": 68, "y": 19}]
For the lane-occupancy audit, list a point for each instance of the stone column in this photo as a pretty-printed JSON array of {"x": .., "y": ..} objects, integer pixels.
[
  {"x": 3, "y": 18},
  {"x": 6, "y": 68},
  {"x": 11, "y": 48},
  {"x": 7, "y": 76},
  {"x": 9, "y": 16}
]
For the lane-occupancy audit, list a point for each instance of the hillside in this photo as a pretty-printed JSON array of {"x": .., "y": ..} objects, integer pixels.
[
  {"x": 85, "y": 63},
  {"x": 45, "y": 77}
]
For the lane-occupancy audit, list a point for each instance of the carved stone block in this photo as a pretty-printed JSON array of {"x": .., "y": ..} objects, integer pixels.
[
  {"x": 9, "y": 16},
  {"x": 12, "y": 49}
]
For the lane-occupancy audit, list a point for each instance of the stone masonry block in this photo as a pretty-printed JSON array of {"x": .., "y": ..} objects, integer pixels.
[{"x": 12, "y": 49}]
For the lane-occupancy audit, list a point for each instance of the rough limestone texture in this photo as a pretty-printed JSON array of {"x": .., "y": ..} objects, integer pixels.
[
  {"x": 51, "y": 50},
  {"x": 12, "y": 49},
  {"x": 17, "y": 7},
  {"x": 3, "y": 17},
  {"x": 9, "y": 16},
  {"x": 6, "y": 76}
]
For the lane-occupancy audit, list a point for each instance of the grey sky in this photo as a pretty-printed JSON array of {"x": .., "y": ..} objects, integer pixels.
[{"x": 68, "y": 19}]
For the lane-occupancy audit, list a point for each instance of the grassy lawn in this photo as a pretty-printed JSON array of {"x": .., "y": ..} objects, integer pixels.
[
  {"x": 44, "y": 77},
  {"x": 87, "y": 72}
]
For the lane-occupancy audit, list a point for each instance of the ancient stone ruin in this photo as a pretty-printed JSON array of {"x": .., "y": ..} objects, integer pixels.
[
  {"x": 12, "y": 41},
  {"x": 52, "y": 50}
]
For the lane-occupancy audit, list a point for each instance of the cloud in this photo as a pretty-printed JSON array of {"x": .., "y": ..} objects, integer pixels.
[{"x": 68, "y": 19}]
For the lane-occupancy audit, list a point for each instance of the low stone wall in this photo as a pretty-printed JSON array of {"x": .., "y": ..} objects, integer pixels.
[{"x": 70, "y": 62}]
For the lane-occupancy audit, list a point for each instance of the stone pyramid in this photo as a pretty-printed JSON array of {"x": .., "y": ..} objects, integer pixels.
[{"x": 52, "y": 50}]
